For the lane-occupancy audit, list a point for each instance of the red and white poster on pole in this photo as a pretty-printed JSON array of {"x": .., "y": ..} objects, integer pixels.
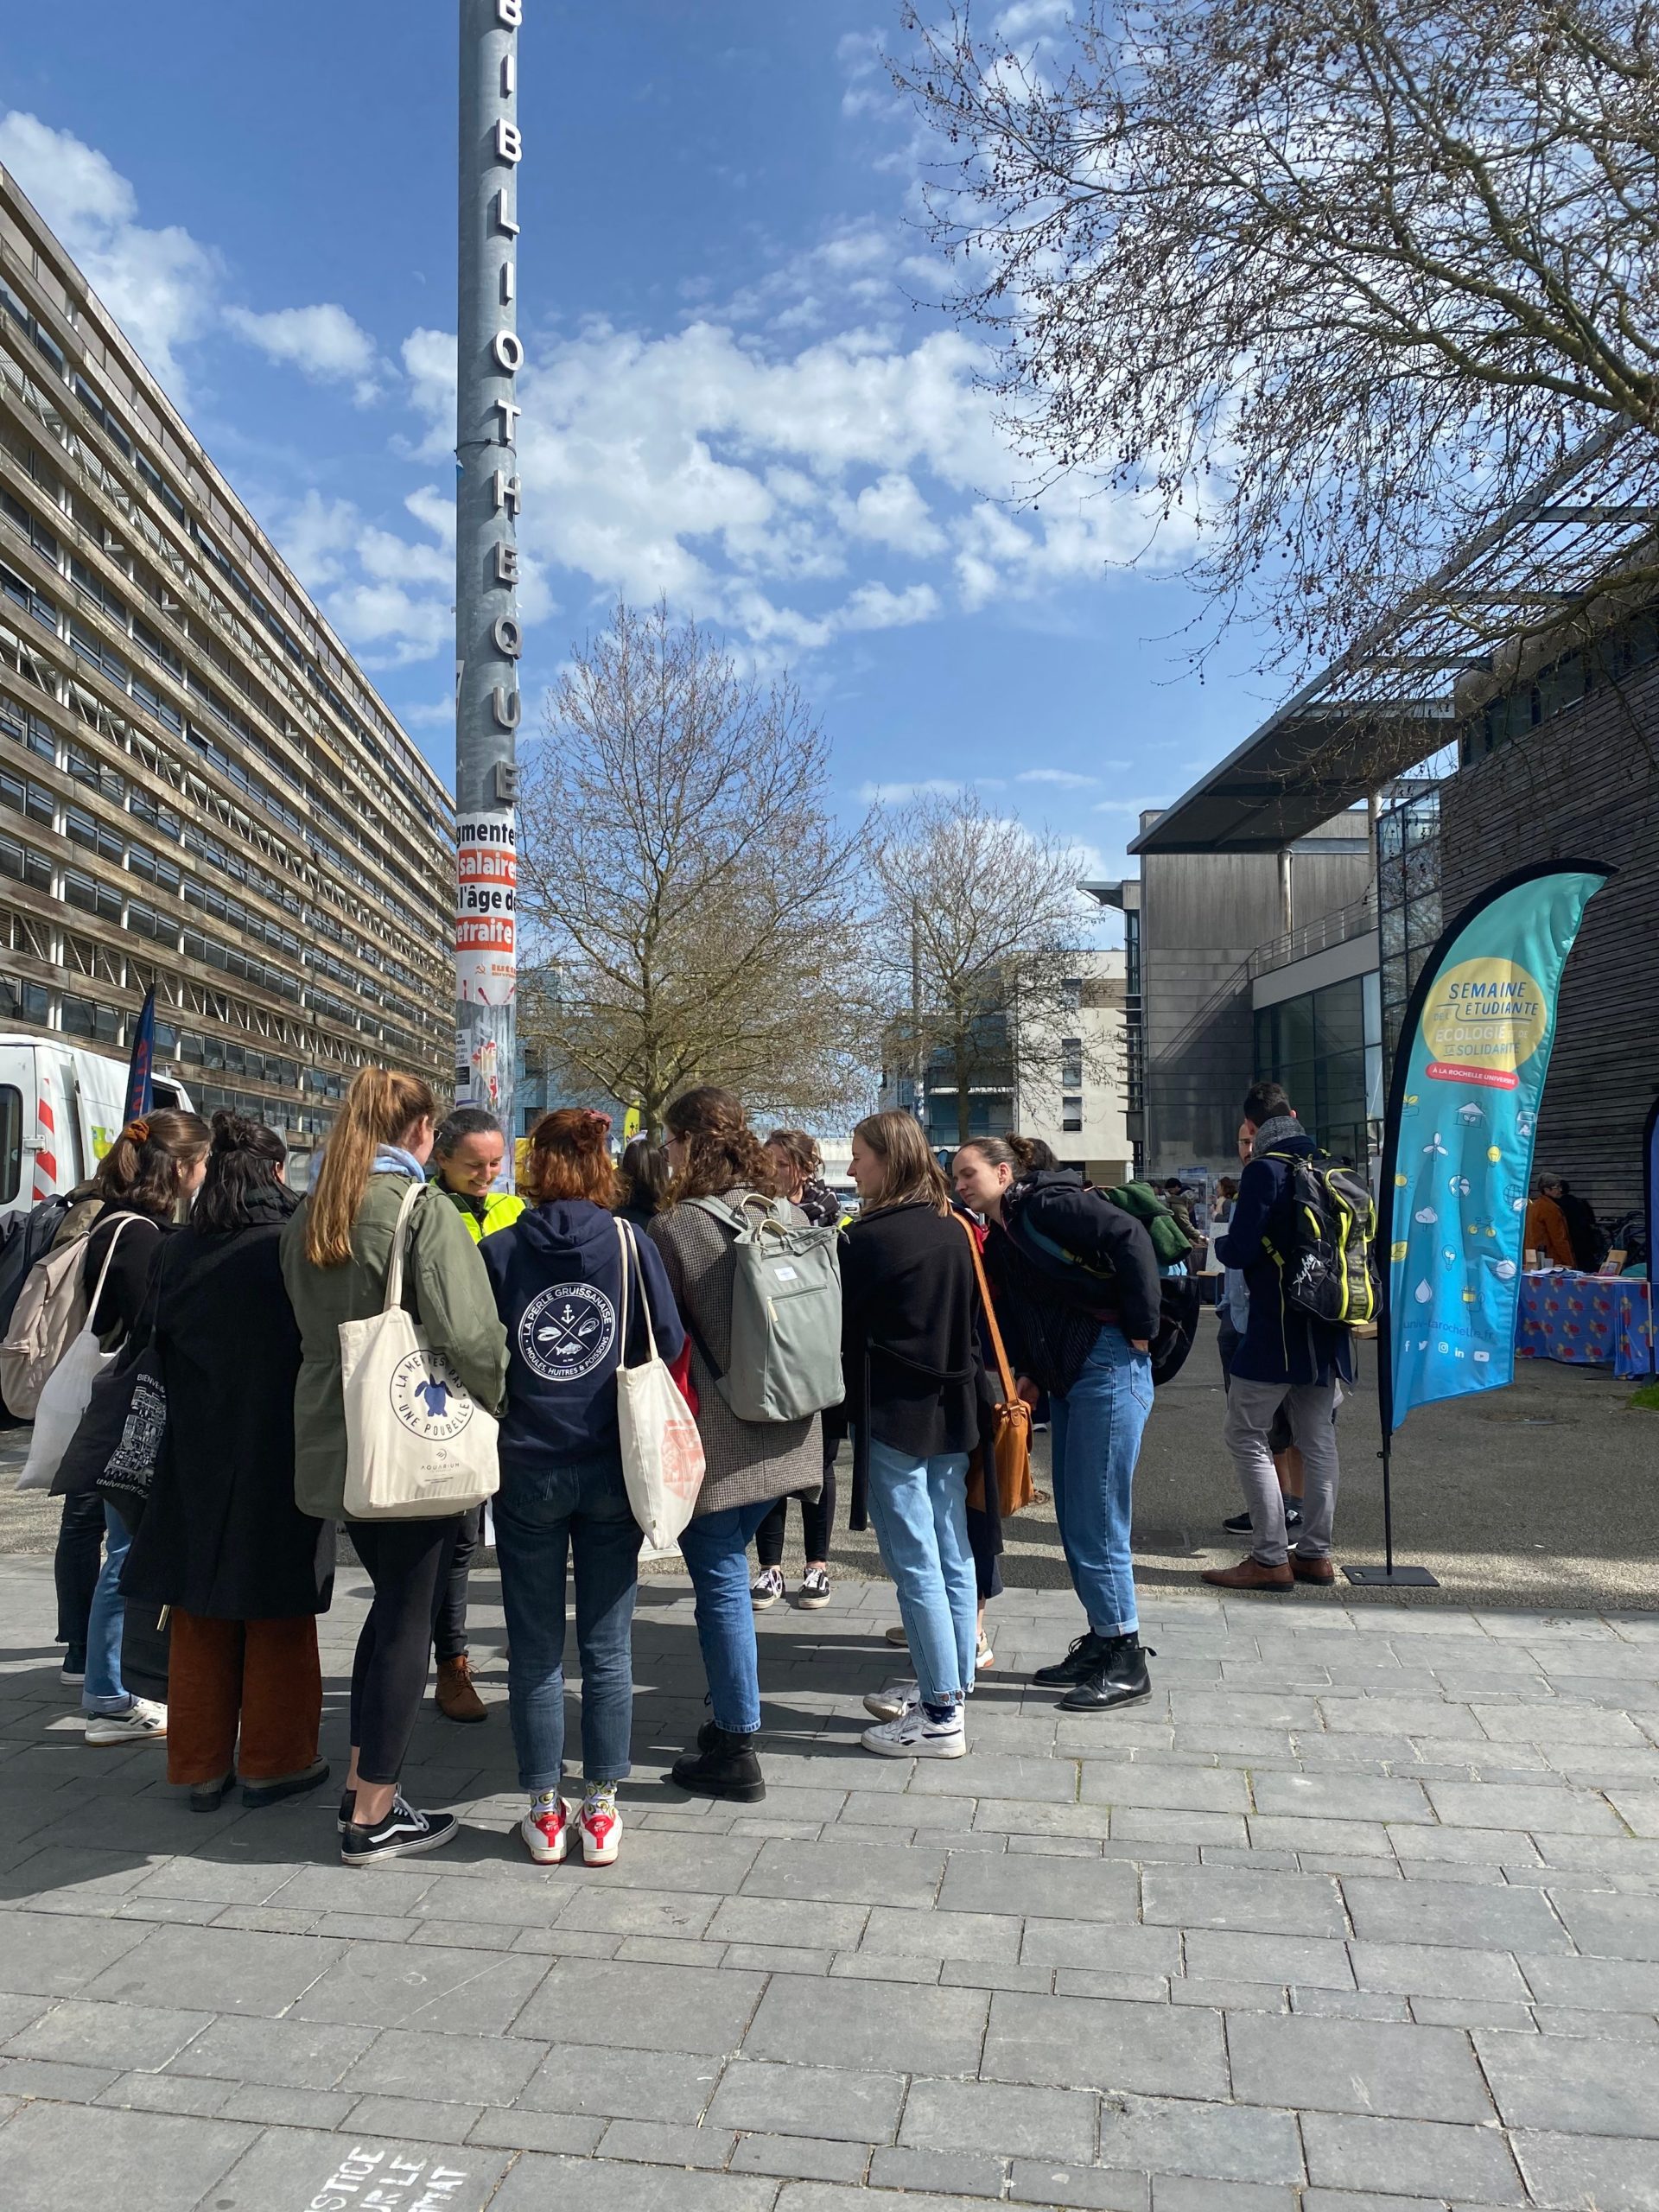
[{"x": 486, "y": 871}]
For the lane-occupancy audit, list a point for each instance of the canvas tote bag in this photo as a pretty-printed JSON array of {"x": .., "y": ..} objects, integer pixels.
[
  {"x": 69, "y": 1387},
  {"x": 418, "y": 1447},
  {"x": 662, "y": 1451},
  {"x": 1009, "y": 1455}
]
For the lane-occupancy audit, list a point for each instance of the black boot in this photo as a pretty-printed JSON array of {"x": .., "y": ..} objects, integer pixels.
[
  {"x": 1118, "y": 1677},
  {"x": 723, "y": 1765},
  {"x": 1079, "y": 1662}
]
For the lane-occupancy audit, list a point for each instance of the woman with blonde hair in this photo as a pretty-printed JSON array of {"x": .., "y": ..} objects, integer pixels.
[
  {"x": 336, "y": 1253},
  {"x": 910, "y": 1299},
  {"x": 748, "y": 1464}
]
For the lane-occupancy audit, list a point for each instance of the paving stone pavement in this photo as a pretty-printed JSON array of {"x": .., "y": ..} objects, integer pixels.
[{"x": 1363, "y": 1908}]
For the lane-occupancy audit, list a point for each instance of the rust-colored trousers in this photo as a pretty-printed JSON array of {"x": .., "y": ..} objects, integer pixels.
[{"x": 262, "y": 1676}]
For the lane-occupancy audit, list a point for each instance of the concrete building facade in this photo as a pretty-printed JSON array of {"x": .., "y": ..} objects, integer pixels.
[{"x": 200, "y": 791}]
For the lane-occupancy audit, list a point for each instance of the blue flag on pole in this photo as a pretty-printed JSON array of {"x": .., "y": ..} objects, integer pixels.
[
  {"x": 144, "y": 1056},
  {"x": 1469, "y": 1074}
]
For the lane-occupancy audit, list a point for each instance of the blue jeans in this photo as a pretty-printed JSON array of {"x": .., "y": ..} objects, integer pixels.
[
  {"x": 1096, "y": 1429},
  {"x": 102, "y": 1691},
  {"x": 920, "y": 1508},
  {"x": 715, "y": 1550},
  {"x": 575, "y": 1510}
]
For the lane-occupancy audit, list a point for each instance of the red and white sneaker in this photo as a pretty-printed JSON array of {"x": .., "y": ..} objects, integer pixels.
[
  {"x": 601, "y": 1825},
  {"x": 546, "y": 1831}
]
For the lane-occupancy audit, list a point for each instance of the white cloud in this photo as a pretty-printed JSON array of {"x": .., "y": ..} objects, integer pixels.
[
  {"x": 1062, "y": 778},
  {"x": 323, "y": 342},
  {"x": 389, "y": 596},
  {"x": 159, "y": 285},
  {"x": 744, "y": 476},
  {"x": 896, "y": 794}
]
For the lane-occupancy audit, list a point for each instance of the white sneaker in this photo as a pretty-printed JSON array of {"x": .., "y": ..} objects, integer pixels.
[
  {"x": 890, "y": 1703},
  {"x": 601, "y": 1827},
  {"x": 143, "y": 1722},
  {"x": 767, "y": 1588},
  {"x": 913, "y": 1736},
  {"x": 983, "y": 1655},
  {"x": 546, "y": 1832}
]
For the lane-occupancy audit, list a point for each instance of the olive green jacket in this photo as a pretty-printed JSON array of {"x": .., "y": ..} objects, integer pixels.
[{"x": 444, "y": 1287}]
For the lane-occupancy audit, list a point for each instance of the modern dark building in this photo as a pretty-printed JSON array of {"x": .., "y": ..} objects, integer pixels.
[
  {"x": 200, "y": 791},
  {"x": 1507, "y": 715}
]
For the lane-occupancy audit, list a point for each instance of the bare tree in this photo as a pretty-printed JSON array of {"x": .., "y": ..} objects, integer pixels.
[
  {"x": 1334, "y": 280},
  {"x": 976, "y": 928},
  {"x": 685, "y": 888}
]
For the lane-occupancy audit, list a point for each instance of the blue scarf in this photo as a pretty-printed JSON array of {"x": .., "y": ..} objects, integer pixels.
[{"x": 392, "y": 1159}]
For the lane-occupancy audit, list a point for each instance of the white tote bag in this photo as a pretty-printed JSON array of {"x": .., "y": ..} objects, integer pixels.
[
  {"x": 64, "y": 1396},
  {"x": 662, "y": 1451},
  {"x": 418, "y": 1446}
]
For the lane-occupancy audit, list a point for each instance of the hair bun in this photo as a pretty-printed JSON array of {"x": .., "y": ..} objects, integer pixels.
[{"x": 138, "y": 1130}]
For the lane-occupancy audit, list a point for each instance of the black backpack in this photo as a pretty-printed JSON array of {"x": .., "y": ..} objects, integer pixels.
[
  {"x": 1091, "y": 1287},
  {"x": 1327, "y": 1268}
]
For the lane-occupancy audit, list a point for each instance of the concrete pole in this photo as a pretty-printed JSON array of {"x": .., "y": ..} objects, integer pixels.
[{"x": 488, "y": 641}]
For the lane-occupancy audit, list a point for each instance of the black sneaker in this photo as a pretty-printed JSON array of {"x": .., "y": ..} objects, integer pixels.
[
  {"x": 1120, "y": 1678},
  {"x": 723, "y": 1765},
  {"x": 1081, "y": 1660},
  {"x": 348, "y": 1809},
  {"x": 401, "y": 1834},
  {"x": 73, "y": 1671},
  {"x": 1240, "y": 1524}
]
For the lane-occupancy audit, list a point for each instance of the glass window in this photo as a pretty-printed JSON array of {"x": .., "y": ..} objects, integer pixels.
[
  {"x": 78, "y": 1016},
  {"x": 1071, "y": 1114},
  {"x": 11, "y": 1141},
  {"x": 22, "y": 1001},
  {"x": 1071, "y": 1063},
  {"x": 1071, "y": 992}
]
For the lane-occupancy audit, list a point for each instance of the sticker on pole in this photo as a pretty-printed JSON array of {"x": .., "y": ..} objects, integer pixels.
[{"x": 486, "y": 882}]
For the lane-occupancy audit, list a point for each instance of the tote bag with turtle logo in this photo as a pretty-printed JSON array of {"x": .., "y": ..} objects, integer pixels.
[{"x": 418, "y": 1446}]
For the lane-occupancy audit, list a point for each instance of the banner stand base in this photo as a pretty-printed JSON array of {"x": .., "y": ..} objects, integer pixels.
[{"x": 1393, "y": 1578}]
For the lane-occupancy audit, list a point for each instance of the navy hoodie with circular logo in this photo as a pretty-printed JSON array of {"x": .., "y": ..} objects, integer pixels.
[{"x": 557, "y": 1275}]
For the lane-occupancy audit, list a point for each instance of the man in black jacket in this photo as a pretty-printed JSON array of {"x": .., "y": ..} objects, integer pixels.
[{"x": 1285, "y": 1356}]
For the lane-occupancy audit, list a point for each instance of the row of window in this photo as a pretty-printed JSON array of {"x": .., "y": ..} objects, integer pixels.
[
  {"x": 82, "y": 828},
  {"x": 114, "y": 667},
  {"x": 369, "y": 728}
]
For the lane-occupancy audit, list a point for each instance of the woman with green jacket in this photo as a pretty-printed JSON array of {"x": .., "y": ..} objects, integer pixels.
[{"x": 336, "y": 1252}]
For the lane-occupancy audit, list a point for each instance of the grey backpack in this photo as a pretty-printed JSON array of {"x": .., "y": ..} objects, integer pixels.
[{"x": 785, "y": 1357}]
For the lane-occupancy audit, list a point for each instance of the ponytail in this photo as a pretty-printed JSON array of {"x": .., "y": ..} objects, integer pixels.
[
  {"x": 246, "y": 1156},
  {"x": 148, "y": 1162},
  {"x": 380, "y": 1105}
]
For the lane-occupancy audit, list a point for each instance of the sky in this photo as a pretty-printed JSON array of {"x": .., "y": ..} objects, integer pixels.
[{"x": 741, "y": 391}]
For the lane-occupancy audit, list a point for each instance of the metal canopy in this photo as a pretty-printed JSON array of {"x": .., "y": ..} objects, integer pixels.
[{"x": 1387, "y": 704}]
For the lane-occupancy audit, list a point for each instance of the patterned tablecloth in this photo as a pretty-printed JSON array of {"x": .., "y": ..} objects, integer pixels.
[{"x": 1591, "y": 1320}]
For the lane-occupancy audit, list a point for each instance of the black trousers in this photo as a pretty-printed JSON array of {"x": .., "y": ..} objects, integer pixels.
[
  {"x": 983, "y": 1540},
  {"x": 449, "y": 1629},
  {"x": 406, "y": 1561},
  {"x": 818, "y": 1515},
  {"x": 76, "y": 1564}
]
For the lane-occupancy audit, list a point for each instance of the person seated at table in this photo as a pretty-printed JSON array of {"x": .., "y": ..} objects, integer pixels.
[{"x": 1546, "y": 1231}]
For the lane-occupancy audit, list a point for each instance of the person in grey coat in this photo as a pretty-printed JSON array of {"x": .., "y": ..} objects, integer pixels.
[{"x": 714, "y": 1153}]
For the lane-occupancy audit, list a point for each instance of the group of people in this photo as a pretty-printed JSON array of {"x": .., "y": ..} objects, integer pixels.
[
  {"x": 237, "y": 1287},
  {"x": 523, "y": 1297}
]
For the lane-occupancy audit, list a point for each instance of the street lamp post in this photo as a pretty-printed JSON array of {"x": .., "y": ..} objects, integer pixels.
[{"x": 488, "y": 639}]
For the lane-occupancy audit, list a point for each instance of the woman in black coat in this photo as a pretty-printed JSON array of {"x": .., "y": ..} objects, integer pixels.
[
  {"x": 910, "y": 1299},
  {"x": 222, "y": 1542}
]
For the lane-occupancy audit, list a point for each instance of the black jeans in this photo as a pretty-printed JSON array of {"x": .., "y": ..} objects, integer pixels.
[
  {"x": 449, "y": 1629},
  {"x": 76, "y": 1563},
  {"x": 982, "y": 1542},
  {"x": 406, "y": 1561},
  {"x": 818, "y": 1518}
]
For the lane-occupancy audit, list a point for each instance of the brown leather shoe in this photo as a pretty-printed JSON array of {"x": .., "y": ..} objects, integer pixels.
[
  {"x": 1250, "y": 1574},
  {"x": 455, "y": 1697},
  {"x": 1312, "y": 1570}
]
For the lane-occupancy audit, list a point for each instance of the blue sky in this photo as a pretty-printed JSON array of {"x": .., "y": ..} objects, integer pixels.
[{"x": 732, "y": 396}]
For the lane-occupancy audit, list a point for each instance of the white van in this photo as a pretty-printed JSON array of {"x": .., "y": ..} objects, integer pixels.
[{"x": 62, "y": 1107}]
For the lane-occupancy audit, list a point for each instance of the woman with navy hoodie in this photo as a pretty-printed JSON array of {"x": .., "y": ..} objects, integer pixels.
[{"x": 556, "y": 1273}]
